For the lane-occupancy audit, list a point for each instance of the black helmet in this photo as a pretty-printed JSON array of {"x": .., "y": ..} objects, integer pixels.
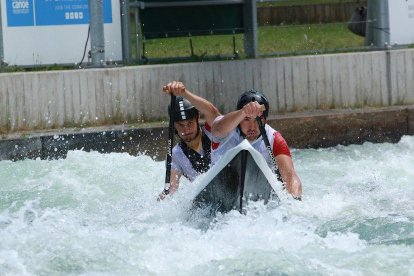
[
  {"x": 184, "y": 110},
  {"x": 251, "y": 96}
]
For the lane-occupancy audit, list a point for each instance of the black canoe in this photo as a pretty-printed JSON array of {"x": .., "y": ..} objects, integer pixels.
[{"x": 242, "y": 174}]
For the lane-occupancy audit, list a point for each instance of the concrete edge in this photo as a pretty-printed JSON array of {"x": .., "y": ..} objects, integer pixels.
[{"x": 314, "y": 129}]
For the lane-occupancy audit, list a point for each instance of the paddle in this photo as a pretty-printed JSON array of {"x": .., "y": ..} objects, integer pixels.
[
  {"x": 269, "y": 148},
  {"x": 169, "y": 146}
]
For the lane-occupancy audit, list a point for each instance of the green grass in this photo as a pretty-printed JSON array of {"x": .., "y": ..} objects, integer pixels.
[
  {"x": 288, "y": 39},
  {"x": 297, "y": 38},
  {"x": 202, "y": 46},
  {"x": 272, "y": 40}
]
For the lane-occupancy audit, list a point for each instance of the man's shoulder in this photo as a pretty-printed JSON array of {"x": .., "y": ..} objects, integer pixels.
[
  {"x": 269, "y": 128},
  {"x": 177, "y": 149}
]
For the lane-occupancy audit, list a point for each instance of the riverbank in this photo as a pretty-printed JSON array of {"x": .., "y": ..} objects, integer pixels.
[{"x": 316, "y": 129}]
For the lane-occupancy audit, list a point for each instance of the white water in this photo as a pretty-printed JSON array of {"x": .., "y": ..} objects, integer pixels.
[{"x": 96, "y": 214}]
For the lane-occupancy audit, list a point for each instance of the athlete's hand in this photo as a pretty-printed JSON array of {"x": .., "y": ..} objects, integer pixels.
[
  {"x": 253, "y": 109},
  {"x": 175, "y": 87}
]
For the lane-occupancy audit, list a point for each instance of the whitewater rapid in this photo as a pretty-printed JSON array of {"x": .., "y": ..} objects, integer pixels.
[{"x": 97, "y": 214}]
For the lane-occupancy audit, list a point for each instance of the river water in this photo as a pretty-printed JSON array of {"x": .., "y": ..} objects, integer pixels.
[{"x": 96, "y": 214}]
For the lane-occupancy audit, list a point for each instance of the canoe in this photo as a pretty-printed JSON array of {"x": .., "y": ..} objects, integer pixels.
[{"x": 240, "y": 176}]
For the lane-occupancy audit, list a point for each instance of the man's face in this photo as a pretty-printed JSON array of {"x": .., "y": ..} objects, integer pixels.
[
  {"x": 250, "y": 128},
  {"x": 187, "y": 129}
]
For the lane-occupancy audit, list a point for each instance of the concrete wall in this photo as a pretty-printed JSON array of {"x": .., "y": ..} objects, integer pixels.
[
  {"x": 300, "y": 129},
  {"x": 46, "y": 100}
]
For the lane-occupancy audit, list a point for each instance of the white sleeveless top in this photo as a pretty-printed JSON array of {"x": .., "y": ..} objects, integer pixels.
[{"x": 181, "y": 163}]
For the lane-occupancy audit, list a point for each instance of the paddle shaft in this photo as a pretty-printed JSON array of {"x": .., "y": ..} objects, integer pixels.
[
  {"x": 169, "y": 145},
  {"x": 269, "y": 148}
]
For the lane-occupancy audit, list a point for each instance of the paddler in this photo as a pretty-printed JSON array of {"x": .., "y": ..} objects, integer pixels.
[
  {"x": 231, "y": 129},
  {"x": 192, "y": 155}
]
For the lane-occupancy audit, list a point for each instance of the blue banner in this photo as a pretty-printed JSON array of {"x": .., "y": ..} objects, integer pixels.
[
  {"x": 19, "y": 13},
  {"x": 52, "y": 12}
]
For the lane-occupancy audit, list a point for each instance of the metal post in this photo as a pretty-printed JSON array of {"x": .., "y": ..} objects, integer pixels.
[
  {"x": 378, "y": 26},
  {"x": 97, "y": 33},
  {"x": 126, "y": 32},
  {"x": 250, "y": 29},
  {"x": 1, "y": 41},
  {"x": 138, "y": 34}
]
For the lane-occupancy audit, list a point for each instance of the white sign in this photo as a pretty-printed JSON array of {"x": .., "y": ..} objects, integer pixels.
[
  {"x": 401, "y": 19},
  {"x": 44, "y": 32}
]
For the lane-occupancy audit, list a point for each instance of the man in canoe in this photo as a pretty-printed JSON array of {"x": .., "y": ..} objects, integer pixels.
[
  {"x": 231, "y": 129},
  {"x": 192, "y": 155}
]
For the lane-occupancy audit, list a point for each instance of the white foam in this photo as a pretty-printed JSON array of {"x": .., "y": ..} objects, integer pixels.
[{"x": 95, "y": 213}]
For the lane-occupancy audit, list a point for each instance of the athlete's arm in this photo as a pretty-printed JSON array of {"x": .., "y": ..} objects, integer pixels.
[
  {"x": 287, "y": 170},
  {"x": 209, "y": 111},
  {"x": 174, "y": 183},
  {"x": 223, "y": 126}
]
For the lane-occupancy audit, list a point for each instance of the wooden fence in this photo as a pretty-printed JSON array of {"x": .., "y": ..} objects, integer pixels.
[{"x": 307, "y": 14}]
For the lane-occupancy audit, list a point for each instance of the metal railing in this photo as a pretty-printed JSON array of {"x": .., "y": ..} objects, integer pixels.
[
  {"x": 141, "y": 45},
  {"x": 140, "y": 39}
]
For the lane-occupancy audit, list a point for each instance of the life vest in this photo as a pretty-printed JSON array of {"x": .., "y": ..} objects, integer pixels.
[{"x": 199, "y": 163}]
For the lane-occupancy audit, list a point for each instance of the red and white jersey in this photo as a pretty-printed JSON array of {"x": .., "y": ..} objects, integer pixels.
[{"x": 279, "y": 146}]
